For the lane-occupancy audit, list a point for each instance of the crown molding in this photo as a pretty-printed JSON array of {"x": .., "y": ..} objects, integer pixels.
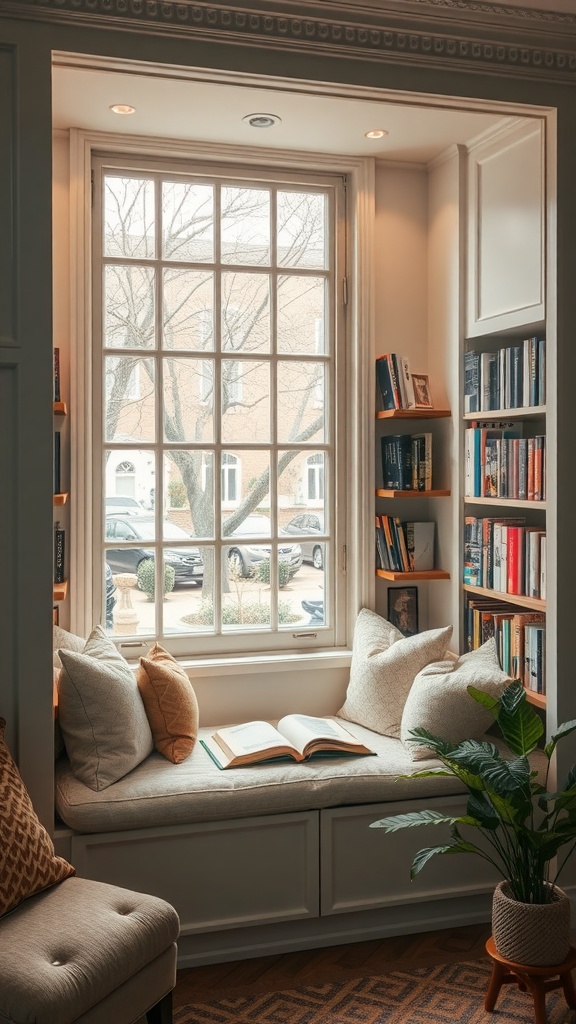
[{"x": 450, "y": 34}]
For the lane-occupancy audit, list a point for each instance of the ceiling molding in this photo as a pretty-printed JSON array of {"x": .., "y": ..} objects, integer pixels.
[{"x": 448, "y": 34}]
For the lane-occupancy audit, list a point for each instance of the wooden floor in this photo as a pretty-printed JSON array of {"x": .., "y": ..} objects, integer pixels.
[{"x": 360, "y": 959}]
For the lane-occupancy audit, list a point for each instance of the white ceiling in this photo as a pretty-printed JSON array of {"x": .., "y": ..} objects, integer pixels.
[{"x": 172, "y": 106}]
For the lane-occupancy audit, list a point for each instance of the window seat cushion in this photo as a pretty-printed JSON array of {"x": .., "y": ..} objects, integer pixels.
[{"x": 158, "y": 792}]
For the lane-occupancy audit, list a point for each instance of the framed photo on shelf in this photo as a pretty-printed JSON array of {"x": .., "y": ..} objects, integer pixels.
[
  {"x": 423, "y": 399},
  {"x": 403, "y": 609}
]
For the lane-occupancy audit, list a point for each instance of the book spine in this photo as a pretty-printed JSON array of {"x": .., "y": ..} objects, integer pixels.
[
  {"x": 390, "y": 471},
  {"x": 57, "y": 396},
  {"x": 471, "y": 381},
  {"x": 384, "y": 383},
  {"x": 402, "y": 546},
  {"x": 59, "y": 553},
  {"x": 394, "y": 379},
  {"x": 408, "y": 384},
  {"x": 542, "y": 372}
]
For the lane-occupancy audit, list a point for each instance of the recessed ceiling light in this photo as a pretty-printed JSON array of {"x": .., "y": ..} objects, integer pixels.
[
  {"x": 262, "y": 120},
  {"x": 122, "y": 108},
  {"x": 376, "y": 133}
]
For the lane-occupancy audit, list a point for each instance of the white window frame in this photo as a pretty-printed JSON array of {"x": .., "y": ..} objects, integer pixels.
[{"x": 353, "y": 560}]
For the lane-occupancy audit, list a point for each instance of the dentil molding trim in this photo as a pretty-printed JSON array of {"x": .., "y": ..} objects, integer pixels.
[{"x": 452, "y": 34}]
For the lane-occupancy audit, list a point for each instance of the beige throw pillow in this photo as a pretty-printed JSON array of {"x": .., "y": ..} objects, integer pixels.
[
  {"x": 384, "y": 666},
  {"x": 440, "y": 703},
  {"x": 61, "y": 638},
  {"x": 170, "y": 704},
  {"x": 101, "y": 713},
  {"x": 27, "y": 860}
]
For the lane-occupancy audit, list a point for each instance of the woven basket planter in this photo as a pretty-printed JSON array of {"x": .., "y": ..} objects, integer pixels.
[{"x": 531, "y": 933}]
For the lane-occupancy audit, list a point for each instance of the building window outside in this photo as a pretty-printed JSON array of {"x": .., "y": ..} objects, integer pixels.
[{"x": 216, "y": 296}]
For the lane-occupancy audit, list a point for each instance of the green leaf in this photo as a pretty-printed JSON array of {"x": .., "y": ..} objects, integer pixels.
[
  {"x": 485, "y": 699},
  {"x": 426, "y": 774},
  {"x": 481, "y": 808},
  {"x": 519, "y": 724},
  {"x": 563, "y": 730},
  {"x": 439, "y": 746},
  {"x": 415, "y": 818},
  {"x": 423, "y": 856}
]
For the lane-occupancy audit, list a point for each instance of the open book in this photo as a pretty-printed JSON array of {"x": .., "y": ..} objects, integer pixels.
[{"x": 297, "y": 737}]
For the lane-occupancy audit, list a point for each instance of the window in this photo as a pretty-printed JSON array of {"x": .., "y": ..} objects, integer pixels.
[{"x": 217, "y": 294}]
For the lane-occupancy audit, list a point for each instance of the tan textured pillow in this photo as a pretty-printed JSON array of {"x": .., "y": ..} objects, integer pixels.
[
  {"x": 27, "y": 860},
  {"x": 384, "y": 666},
  {"x": 170, "y": 704},
  {"x": 439, "y": 700},
  {"x": 61, "y": 638},
  {"x": 101, "y": 713}
]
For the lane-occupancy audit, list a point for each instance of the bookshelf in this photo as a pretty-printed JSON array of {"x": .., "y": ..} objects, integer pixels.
[{"x": 401, "y": 529}]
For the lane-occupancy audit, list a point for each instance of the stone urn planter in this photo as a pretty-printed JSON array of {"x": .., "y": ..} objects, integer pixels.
[{"x": 531, "y": 933}]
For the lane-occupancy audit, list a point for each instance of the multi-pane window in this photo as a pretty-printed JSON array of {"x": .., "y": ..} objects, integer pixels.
[{"x": 217, "y": 296}]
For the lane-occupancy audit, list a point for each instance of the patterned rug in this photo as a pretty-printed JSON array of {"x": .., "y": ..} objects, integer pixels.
[{"x": 422, "y": 995}]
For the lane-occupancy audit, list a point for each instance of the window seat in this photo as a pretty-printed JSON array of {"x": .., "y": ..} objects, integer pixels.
[{"x": 159, "y": 793}]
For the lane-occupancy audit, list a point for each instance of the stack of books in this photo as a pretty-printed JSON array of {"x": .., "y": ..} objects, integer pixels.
[
  {"x": 395, "y": 382},
  {"x": 500, "y": 463},
  {"x": 404, "y": 546},
  {"x": 407, "y": 462},
  {"x": 510, "y": 378},
  {"x": 505, "y": 555},
  {"x": 520, "y": 638}
]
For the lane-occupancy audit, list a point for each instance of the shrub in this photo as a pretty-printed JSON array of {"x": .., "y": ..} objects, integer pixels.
[
  {"x": 263, "y": 572},
  {"x": 146, "y": 580},
  {"x": 252, "y": 613},
  {"x": 177, "y": 494}
]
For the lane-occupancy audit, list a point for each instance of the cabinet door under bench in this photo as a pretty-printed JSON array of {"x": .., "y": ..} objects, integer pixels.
[{"x": 218, "y": 875}]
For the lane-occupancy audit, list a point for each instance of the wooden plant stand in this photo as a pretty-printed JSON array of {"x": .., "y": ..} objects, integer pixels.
[{"x": 532, "y": 979}]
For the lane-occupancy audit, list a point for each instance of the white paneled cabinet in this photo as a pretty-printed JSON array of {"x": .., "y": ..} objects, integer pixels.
[{"x": 506, "y": 230}]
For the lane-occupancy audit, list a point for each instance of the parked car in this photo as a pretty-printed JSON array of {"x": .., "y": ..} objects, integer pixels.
[
  {"x": 308, "y": 523},
  {"x": 110, "y": 596},
  {"x": 186, "y": 561},
  {"x": 244, "y": 556},
  {"x": 122, "y": 505}
]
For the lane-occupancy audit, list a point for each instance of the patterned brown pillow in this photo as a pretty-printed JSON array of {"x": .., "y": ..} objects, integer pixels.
[
  {"x": 27, "y": 860},
  {"x": 170, "y": 704}
]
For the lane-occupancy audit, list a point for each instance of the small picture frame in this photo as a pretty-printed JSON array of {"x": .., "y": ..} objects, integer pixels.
[
  {"x": 403, "y": 609},
  {"x": 422, "y": 397}
]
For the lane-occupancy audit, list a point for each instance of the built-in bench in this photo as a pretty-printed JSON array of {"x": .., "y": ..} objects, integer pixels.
[{"x": 277, "y": 856}]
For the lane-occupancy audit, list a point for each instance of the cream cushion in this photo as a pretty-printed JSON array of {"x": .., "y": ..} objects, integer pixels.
[
  {"x": 384, "y": 666},
  {"x": 61, "y": 638},
  {"x": 440, "y": 703},
  {"x": 101, "y": 713},
  {"x": 170, "y": 704}
]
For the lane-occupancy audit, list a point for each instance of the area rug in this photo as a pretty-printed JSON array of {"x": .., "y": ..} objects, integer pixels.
[{"x": 446, "y": 994}]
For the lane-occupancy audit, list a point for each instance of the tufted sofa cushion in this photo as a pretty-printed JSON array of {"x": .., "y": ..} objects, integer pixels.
[{"x": 74, "y": 947}]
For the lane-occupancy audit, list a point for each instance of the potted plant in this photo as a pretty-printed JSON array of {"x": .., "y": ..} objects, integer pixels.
[{"x": 521, "y": 826}]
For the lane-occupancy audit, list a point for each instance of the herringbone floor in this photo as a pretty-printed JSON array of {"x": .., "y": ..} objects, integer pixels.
[{"x": 335, "y": 963}]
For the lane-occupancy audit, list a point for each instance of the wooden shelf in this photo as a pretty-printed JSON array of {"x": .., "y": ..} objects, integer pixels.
[
  {"x": 61, "y": 499},
  {"x": 538, "y": 699},
  {"x": 60, "y": 591},
  {"x": 507, "y": 414},
  {"x": 506, "y": 502},
  {"x": 413, "y": 414},
  {"x": 60, "y": 409},
  {"x": 537, "y": 604},
  {"x": 381, "y": 493},
  {"x": 407, "y": 577}
]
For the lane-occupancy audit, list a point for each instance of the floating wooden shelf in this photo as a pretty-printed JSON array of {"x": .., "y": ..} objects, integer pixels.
[
  {"x": 535, "y": 603},
  {"x": 413, "y": 414},
  {"x": 381, "y": 493},
  {"x": 538, "y": 699},
  {"x": 60, "y": 591},
  {"x": 61, "y": 499},
  {"x": 506, "y": 414},
  {"x": 407, "y": 577},
  {"x": 506, "y": 502},
  {"x": 60, "y": 408}
]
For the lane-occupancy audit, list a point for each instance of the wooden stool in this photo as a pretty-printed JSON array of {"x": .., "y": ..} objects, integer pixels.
[{"x": 533, "y": 979}]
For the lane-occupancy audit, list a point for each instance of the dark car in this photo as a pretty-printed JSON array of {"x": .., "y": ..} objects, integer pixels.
[
  {"x": 186, "y": 561},
  {"x": 245, "y": 555},
  {"x": 308, "y": 523}
]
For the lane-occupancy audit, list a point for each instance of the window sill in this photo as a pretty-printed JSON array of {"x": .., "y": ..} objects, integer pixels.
[{"x": 265, "y": 663}]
